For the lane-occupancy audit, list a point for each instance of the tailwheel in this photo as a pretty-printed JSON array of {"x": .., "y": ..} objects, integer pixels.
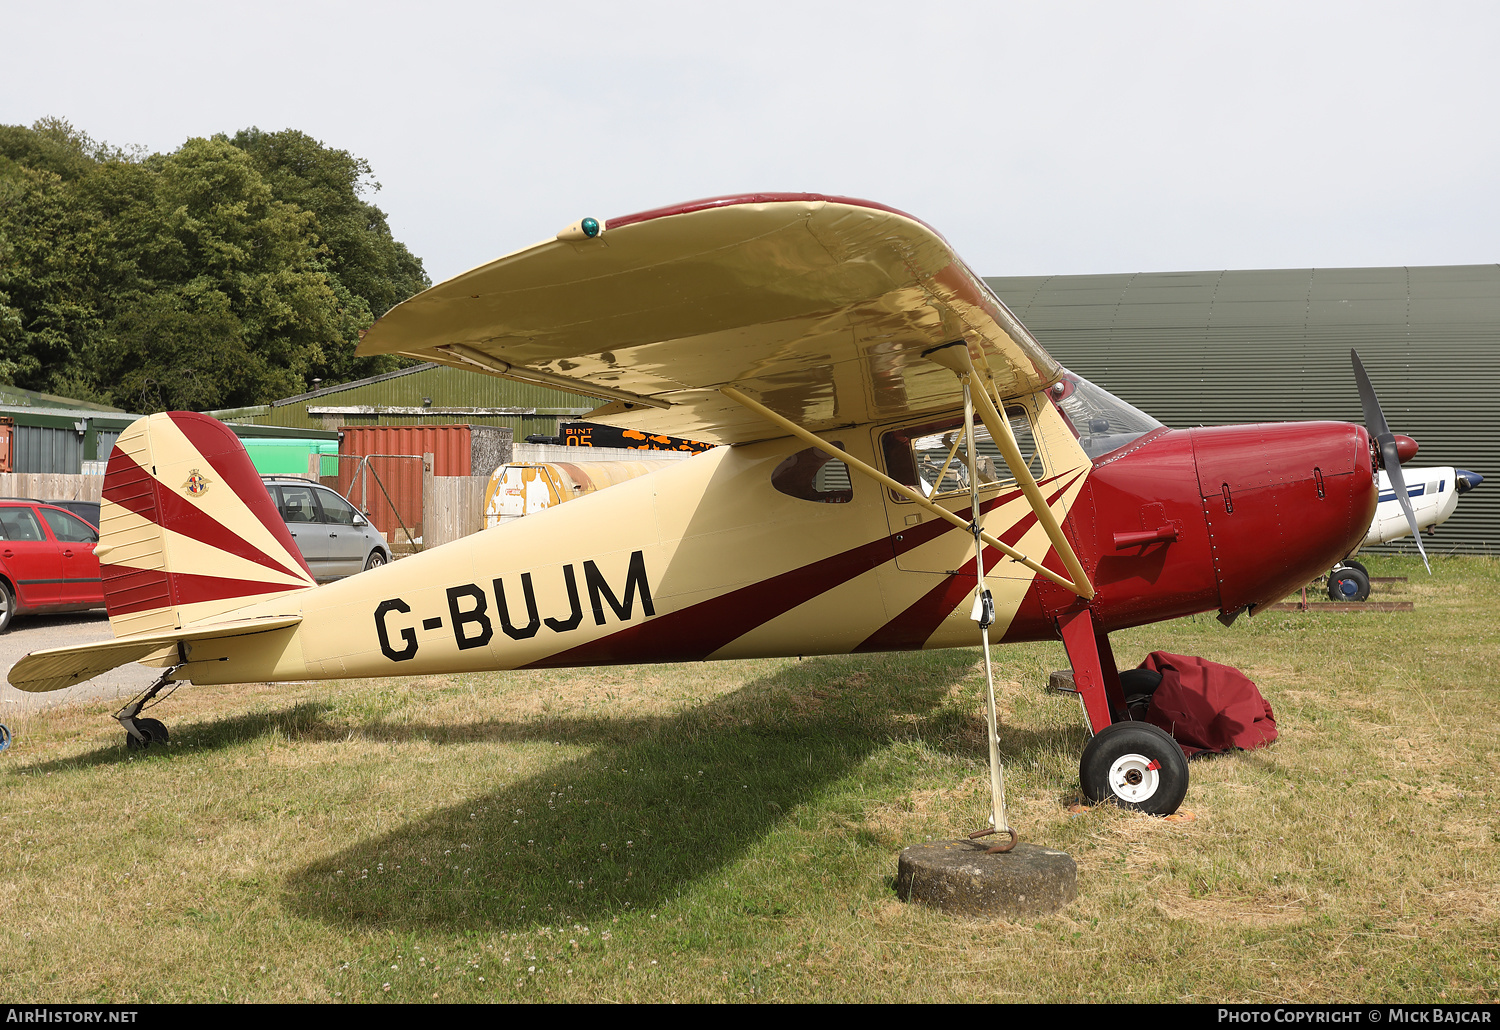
[
  {"x": 142, "y": 733},
  {"x": 1135, "y": 765},
  {"x": 153, "y": 731}
]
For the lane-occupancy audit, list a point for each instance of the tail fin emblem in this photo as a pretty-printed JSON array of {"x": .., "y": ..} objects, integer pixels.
[{"x": 196, "y": 483}]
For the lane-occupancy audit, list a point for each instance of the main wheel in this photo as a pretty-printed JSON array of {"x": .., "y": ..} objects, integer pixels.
[
  {"x": 1350, "y": 563},
  {"x": 375, "y": 560},
  {"x": 7, "y": 605},
  {"x": 1348, "y": 584},
  {"x": 1135, "y": 765}
]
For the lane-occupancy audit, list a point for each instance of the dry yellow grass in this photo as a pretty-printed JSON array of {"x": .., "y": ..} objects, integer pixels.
[{"x": 730, "y": 831}]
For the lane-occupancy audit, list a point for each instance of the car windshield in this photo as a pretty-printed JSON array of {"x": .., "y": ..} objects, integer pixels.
[{"x": 1101, "y": 421}]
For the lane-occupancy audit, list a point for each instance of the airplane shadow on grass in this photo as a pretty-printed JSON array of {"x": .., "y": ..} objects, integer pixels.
[
  {"x": 634, "y": 822},
  {"x": 301, "y": 720}
]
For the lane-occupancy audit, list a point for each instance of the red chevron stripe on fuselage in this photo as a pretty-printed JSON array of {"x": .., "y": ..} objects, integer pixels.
[
  {"x": 695, "y": 632},
  {"x": 912, "y": 628}
]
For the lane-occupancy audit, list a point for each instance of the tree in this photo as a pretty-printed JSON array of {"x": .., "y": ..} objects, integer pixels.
[
  {"x": 361, "y": 254},
  {"x": 227, "y": 273}
]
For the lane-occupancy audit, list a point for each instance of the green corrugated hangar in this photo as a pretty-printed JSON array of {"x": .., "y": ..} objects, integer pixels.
[{"x": 1213, "y": 348}]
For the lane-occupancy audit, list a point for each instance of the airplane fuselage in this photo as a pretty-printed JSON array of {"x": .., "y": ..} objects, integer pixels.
[{"x": 729, "y": 555}]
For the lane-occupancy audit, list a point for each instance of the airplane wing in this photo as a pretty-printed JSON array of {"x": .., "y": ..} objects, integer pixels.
[
  {"x": 819, "y": 306},
  {"x": 59, "y": 667}
]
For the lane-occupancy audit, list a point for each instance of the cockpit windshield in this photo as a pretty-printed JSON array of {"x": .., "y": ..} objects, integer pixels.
[{"x": 1101, "y": 421}]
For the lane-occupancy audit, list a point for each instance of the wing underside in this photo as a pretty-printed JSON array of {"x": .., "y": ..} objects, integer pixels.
[{"x": 821, "y": 307}]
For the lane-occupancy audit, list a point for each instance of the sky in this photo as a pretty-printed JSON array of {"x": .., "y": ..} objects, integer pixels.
[{"x": 1038, "y": 138}]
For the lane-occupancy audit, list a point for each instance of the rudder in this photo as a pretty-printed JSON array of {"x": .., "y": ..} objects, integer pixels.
[{"x": 187, "y": 529}]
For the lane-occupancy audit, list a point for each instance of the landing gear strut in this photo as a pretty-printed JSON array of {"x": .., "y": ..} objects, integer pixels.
[
  {"x": 142, "y": 733},
  {"x": 1130, "y": 763}
]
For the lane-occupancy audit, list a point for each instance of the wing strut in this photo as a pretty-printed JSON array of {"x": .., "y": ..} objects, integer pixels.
[
  {"x": 1085, "y": 590},
  {"x": 956, "y": 357}
]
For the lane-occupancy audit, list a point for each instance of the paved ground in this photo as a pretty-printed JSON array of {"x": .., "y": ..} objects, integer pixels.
[{"x": 33, "y": 632}]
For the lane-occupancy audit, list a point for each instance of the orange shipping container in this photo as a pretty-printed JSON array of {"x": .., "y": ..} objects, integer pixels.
[{"x": 395, "y": 457}]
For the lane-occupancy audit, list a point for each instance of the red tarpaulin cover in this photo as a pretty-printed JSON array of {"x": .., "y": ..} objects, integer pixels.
[{"x": 1207, "y": 706}]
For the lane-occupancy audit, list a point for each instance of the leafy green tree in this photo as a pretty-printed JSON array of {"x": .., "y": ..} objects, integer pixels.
[
  {"x": 374, "y": 268},
  {"x": 46, "y": 278},
  {"x": 228, "y": 272}
]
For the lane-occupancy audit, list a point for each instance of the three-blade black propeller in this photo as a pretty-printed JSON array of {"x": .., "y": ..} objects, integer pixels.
[{"x": 1390, "y": 460}]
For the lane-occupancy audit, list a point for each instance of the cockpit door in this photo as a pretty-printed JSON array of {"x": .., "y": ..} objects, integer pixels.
[{"x": 929, "y": 456}]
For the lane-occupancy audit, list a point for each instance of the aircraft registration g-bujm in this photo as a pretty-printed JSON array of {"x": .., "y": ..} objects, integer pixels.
[{"x": 903, "y": 467}]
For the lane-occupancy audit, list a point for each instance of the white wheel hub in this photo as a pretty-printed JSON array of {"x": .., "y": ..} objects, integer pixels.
[{"x": 1134, "y": 778}]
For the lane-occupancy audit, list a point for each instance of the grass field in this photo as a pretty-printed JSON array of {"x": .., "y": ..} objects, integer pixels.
[{"x": 724, "y": 832}]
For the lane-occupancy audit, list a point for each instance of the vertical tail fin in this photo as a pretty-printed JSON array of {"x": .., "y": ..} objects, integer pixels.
[{"x": 187, "y": 530}]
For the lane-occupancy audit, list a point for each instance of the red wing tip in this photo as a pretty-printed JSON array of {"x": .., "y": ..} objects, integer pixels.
[{"x": 738, "y": 199}]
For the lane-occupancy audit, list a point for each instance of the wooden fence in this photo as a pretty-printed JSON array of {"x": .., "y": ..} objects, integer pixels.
[
  {"x": 58, "y": 486},
  {"x": 452, "y": 506}
]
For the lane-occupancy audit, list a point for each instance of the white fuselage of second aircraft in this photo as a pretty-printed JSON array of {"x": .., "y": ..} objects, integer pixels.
[{"x": 1434, "y": 496}]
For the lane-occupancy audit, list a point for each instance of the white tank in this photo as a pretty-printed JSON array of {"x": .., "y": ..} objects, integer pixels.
[{"x": 526, "y": 487}]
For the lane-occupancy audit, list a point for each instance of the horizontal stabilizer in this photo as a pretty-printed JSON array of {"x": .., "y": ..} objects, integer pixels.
[{"x": 59, "y": 667}]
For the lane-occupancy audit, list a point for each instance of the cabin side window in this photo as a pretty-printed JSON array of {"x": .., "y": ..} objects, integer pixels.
[
  {"x": 813, "y": 475},
  {"x": 931, "y": 457}
]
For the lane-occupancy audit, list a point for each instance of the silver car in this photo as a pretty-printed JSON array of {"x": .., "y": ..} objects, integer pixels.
[{"x": 335, "y": 538}]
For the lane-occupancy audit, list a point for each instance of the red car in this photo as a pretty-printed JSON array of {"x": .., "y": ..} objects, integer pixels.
[{"x": 47, "y": 561}]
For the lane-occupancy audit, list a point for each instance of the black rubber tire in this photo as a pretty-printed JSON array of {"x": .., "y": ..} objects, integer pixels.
[
  {"x": 1138, "y": 685},
  {"x": 1134, "y": 765},
  {"x": 1350, "y": 563},
  {"x": 1348, "y": 584},
  {"x": 155, "y": 732},
  {"x": 7, "y": 606},
  {"x": 375, "y": 560}
]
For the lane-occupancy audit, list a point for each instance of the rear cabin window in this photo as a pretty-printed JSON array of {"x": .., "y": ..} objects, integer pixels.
[
  {"x": 931, "y": 457},
  {"x": 813, "y": 475},
  {"x": 19, "y": 524}
]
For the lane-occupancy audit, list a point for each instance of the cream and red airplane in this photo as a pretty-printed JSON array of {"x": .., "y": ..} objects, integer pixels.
[{"x": 856, "y": 372}]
